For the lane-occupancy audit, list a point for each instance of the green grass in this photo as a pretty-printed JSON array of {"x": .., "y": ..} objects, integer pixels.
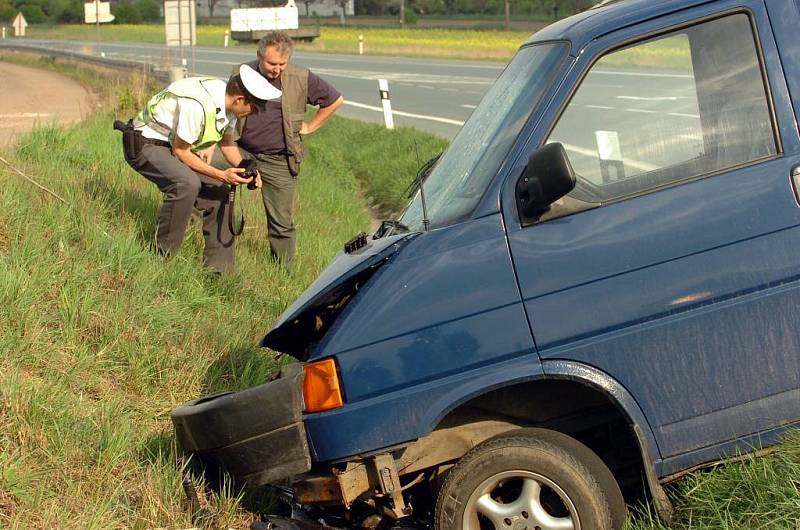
[
  {"x": 101, "y": 338},
  {"x": 149, "y": 33},
  {"x": 382, "y": 158},
  {"x": 759, "y": 493}
]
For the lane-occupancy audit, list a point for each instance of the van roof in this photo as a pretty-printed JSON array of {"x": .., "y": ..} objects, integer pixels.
[{"x": 608, "y": 16}]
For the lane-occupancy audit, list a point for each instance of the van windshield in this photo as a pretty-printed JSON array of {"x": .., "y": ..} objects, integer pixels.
[{"x": 457, "y": 182}]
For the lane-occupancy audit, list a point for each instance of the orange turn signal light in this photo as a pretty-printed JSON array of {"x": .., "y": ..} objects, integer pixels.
[{"x": 321, "y": 389}]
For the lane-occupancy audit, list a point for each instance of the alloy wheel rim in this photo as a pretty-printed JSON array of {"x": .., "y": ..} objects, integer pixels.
[{"x": 519, "y": 500}]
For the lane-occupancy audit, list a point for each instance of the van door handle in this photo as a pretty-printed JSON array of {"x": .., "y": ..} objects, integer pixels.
[{"x": 795, "y": 178}]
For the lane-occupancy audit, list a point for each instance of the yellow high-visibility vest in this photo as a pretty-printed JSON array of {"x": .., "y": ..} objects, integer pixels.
[{"x": 192, "y": 88}]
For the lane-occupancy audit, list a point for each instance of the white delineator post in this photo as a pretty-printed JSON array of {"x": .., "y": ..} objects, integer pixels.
[
  {"x": 612, "y": 167},
  {"x": 361, "y": 44},
  {"x": 4, "y": 32},
  {"x": 227, "y": 34},
  {"x": 383, "y": 87}
]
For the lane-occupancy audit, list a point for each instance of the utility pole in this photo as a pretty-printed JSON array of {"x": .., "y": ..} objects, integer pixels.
[
  {"x": 402, "y": 13},
  {"x": 508, "y": 15}
]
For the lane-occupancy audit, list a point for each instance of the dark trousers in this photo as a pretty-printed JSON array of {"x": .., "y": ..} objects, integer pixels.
[
  {"x": 277, "y": 191},
  {"x": 184, "y": 190}
]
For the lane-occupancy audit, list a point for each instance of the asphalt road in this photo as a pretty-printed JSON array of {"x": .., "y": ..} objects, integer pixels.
[{"x": 433, "y": 95}]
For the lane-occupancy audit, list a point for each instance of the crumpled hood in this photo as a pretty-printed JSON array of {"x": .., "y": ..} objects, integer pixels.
[{"x": 301, "y": 326}]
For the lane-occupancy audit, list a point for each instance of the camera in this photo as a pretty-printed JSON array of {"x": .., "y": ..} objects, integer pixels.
[{"x": 250, "y": 172}]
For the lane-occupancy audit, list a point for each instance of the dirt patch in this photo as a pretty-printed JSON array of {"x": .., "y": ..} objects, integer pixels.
[
  {"x": 4, "y": 239},
  {"x": 8, "y": 505},
  {"x": 32, "y": 96}
]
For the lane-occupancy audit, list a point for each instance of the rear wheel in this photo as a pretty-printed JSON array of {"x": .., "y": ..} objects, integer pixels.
[{"x": 530, "y": 479}]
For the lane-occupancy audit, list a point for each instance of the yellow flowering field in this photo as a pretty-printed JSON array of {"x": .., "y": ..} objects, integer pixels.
[{"x": 463, "y": 44}]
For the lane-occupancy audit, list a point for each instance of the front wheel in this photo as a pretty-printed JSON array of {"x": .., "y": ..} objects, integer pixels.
[{"x": 530, "y": 479}]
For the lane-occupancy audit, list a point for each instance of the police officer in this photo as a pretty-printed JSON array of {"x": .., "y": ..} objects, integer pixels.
[{"x": 171, "y": 143}]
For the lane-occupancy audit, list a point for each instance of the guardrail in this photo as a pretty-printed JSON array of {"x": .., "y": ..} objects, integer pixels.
[{"x": 159, "y": 74}]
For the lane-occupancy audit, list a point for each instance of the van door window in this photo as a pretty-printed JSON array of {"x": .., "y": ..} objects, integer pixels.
[{"x": 669, "y": 109}]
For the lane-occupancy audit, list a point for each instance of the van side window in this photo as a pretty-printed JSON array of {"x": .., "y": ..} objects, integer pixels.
[{"x": 668, "y": 109}]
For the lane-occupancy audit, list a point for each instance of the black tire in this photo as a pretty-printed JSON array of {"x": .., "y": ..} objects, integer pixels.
[{"x": 524, "y": 469}]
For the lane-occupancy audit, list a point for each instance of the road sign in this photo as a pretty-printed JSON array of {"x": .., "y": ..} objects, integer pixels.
[
  {"x": 97, "y": 12},
  {"x": 179, "y": 22},
  {"x": 19, "y": 25}
]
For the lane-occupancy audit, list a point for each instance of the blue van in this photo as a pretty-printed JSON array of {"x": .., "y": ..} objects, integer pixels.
[{"x": 594, "y": 289}]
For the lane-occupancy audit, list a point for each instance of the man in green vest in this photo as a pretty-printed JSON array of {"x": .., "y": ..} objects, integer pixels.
[
  {"x": 171, "y": 143},
  {"x": 274, "y": 137}
]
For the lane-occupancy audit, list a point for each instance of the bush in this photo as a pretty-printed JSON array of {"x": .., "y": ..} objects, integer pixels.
[
  {"x": 411, "y": 16},
  {"x": 127, "y": 13},
  {"x": 150, "y": 10},
  {"x": 72, "y": 12},
  {"x": 7, "y": 13},
  {"x": 33, "y": 14}
]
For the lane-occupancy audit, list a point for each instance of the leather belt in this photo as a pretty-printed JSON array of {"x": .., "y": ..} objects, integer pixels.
[{"x": 153, "y": 141}]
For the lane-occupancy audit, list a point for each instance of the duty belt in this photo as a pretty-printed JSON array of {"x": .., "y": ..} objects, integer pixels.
[{"x": 153, "y": 141}]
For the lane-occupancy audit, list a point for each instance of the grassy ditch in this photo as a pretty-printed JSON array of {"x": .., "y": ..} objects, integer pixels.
[{"x": 101, "y": 338}]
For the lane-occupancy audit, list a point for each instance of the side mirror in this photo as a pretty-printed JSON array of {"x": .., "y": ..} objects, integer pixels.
[{"x": 547, "y": 178}]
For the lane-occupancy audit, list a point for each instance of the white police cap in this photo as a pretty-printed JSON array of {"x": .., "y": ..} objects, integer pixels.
[{"x": 257, "y": 84}]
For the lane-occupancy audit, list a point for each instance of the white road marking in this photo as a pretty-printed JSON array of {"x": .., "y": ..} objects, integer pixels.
[
  {"x": 656, "y": 98},
  {"x": 402, "y": 77},
  {"x": 638, "y": 164},
  {"x": 643, "y": 74},
  {"x": 470, "y": 106},
  {"x": 644, "y": 111},
  {"x": 405, "y": 114}
]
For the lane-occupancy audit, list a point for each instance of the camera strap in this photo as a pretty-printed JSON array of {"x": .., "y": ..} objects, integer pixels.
[{"x": 231, "y": 204}]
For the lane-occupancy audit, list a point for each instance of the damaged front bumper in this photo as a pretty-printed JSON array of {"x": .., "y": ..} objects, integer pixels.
[{"x": 255, "y": 436}]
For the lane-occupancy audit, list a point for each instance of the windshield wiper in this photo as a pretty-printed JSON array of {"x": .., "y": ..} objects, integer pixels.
[
  {"x": 419, "y": 179},
  {"x": 390, "y": 227},
  {"x": 422, "y": 174}
]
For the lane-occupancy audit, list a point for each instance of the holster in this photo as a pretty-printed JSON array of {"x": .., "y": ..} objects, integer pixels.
[{"x": 131, "y": 139}]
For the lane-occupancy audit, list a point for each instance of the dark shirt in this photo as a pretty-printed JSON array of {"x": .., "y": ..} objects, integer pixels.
[{"x": 263, "y": 131}]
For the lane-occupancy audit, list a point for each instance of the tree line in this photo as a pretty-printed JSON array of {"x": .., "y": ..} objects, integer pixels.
[
  {"x": 521, "y": 8},
  {"x": 71, "y": 11},
  {"x": 135, "y": 11}
]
